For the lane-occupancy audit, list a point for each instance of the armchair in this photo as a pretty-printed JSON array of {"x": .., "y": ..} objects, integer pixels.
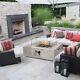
[{"x": 7, "y": 56}]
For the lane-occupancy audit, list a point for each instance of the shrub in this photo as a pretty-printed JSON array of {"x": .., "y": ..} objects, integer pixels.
[
  {"x": 71, "y": 25},
  {"x": 42, "y": 14},
  {"x": 65, "y": 24},
  {"x": 54, "y": 24},
  {"x": 77, "y": 26},
  {"x": 57, "y": 24},
  {"x": 68, "y": 25},
  {"x": 49, "y": 26},
  {"x": 77, "y": 23}
]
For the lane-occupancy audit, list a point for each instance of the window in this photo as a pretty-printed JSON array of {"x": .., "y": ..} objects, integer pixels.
[{"x": 58, "y": 12}]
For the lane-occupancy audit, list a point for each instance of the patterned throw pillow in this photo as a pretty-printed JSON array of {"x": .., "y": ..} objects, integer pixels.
[
  {"x": 57, "y": 33},
  {"x": 71, "y": 50},
  {"x": 7, "y": 44}
]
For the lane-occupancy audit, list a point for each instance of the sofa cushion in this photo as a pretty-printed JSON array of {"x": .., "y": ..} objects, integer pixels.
[
  {"x": 71, "y": 50},
  {"x": 7, "y": 44},
  {"x": 57, "y": 33},
  {"x": 65, "y": 41}
]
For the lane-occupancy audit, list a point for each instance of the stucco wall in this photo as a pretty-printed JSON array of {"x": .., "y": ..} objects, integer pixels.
[
  {"x": 72, "y": 12},
  {"x": 12, "y": 8}
]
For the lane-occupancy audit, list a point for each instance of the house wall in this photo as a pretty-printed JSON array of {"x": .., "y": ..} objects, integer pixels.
[
  {"x": 12, "y": 8},
  {"x": 64, "y": 1},
  {"x": 45, "y": 1},
  {"x": 72, "y": 12}
]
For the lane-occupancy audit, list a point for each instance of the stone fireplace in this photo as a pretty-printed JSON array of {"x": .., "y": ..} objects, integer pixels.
[
  {"x": 15, "y": 22},
  {"x": 18, "y": 25}
]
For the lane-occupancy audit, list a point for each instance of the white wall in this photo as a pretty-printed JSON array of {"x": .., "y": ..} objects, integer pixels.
[
  {"x": 65, "y": 1},
  {"x": 72, "y": 12}
]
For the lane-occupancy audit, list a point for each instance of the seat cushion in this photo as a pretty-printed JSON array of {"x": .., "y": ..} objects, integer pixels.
[{"x": 65, "y": 41}]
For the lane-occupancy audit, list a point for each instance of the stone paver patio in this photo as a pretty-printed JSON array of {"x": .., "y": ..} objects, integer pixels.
[{"x": 33, "y": 69}]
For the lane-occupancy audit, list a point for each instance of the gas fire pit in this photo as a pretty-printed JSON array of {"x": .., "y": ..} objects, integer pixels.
[{"x": 39, "y": 50}]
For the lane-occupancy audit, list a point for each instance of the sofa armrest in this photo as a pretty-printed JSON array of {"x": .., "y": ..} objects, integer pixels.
[
  {"x": 74, "y": 63},
  {"x": 57, "y": 58}
]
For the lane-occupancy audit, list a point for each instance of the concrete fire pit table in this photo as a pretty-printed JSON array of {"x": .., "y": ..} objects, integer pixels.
[{"x": 48, "y": 53}]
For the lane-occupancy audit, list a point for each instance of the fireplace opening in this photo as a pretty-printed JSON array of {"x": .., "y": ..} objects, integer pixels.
[
  {"x": 18, "y": 25},
  {"x": 18, "y": 28}
]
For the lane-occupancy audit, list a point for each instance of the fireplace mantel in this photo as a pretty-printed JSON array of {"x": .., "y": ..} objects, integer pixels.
[{"x": 14, "y": 22}]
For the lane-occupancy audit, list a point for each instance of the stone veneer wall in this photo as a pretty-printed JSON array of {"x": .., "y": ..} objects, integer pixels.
[{"x": 12, "y": 8}]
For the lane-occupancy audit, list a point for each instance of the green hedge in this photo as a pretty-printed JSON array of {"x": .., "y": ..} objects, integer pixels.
[{"x": 65, "y": 25}]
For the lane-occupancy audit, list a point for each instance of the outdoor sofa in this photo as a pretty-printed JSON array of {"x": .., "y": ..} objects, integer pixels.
[{"x": 70, "y": 41}]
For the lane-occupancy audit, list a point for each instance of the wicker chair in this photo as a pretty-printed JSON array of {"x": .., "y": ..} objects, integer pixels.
[{"x": 7, "y": 57}]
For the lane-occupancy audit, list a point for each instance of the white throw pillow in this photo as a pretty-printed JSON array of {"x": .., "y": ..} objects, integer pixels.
[
  {"x": 78, "y": 53},
  {"x": 1, "y": 48}
]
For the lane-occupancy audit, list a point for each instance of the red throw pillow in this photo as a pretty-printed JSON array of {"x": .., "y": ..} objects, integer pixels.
[
  {"x": 76, "y": 38},
  {"x": 71, "y": 50},
  {"x": 69, "y": 35},
  {"x": 7, "y": 44}
]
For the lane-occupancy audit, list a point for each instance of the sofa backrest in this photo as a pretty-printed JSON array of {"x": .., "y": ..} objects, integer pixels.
[
  {"x": 69, "y": 33},
  {"x": 62, "y": 28}
]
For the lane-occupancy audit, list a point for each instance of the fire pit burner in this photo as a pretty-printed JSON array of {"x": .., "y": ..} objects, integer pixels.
[{"x": 42, "y": 45}]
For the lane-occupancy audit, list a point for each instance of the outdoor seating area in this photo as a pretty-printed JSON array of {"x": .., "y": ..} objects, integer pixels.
[{"x": 39, "y": 40}]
